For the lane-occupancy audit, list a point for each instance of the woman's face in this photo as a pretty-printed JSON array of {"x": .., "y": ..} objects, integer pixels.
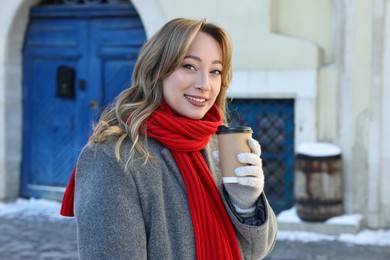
[{"x": 191, "y": 90}]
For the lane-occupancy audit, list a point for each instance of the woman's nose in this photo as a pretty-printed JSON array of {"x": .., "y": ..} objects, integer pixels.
[{"x": 203, "y": 82}]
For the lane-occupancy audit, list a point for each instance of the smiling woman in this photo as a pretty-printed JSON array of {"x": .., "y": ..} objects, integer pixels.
[
  {"x": 146, "y": 184},
  {"x": 191, "y": 90}
]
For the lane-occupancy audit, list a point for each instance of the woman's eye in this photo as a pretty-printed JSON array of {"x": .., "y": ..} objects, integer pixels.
[
  {"x": 216, "y": 72},
  {"x": 189, "y": 67}
]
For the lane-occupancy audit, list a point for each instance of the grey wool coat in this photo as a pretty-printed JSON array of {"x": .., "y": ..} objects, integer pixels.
[{"x": 142, "y": 212}]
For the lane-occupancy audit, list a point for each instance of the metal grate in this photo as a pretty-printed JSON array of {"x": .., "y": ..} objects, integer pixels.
[{"x": 272, "y": 121}]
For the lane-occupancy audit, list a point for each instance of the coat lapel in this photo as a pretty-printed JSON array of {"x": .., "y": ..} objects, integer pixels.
[{"x": 170, "y": 161}]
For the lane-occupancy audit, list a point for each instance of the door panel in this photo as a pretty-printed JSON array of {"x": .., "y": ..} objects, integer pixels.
[
  {"x": 52, "y": 117},
  {"x": 116, "y": 78},
  {"x": 116, "y": 44},
  {"x": 49, "y": 127}
]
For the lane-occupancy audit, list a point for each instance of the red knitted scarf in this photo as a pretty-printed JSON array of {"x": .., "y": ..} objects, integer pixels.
[{"x": 214, "y": 234}]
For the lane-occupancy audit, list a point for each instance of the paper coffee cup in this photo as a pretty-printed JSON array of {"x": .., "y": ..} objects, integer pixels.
[{"x": 231, "y": 142}]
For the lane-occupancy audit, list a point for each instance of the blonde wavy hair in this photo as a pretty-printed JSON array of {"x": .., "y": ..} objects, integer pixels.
[{"x": 162, "y": 54}]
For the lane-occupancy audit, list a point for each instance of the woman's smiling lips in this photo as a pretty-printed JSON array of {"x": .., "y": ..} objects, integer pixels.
[{"x": 196, "y": 101}]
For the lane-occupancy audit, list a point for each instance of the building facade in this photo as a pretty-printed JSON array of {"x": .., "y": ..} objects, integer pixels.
[{"x": 332, "y": 58}]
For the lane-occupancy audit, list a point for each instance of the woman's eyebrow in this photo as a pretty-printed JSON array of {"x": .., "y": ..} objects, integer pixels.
[{"x": 199, "y": 59}]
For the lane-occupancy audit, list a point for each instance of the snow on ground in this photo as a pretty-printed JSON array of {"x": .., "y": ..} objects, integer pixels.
[
  {"x": 291, "y": 216},
  {"x": 32, "y": 208},
  {"x": 364, "y": 237},
  {"x": 47, "y": 209}
]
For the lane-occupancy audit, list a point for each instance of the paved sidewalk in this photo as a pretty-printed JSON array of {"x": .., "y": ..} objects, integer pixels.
[
  {"x": 326, "y": 250},
  {"x": 24, "y": 237},
  {"x": 36, "y": 239}
]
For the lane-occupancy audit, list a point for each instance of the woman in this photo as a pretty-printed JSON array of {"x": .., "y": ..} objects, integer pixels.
[{"x": 147, "y": 185}]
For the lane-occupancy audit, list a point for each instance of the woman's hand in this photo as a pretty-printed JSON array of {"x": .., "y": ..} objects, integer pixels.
[{"x": 245, "y": 193}]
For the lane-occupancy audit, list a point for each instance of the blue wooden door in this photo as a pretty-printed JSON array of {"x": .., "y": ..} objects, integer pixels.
[
  {"x": 272, "y": 121},
  {"x": 88, "y": 51}
]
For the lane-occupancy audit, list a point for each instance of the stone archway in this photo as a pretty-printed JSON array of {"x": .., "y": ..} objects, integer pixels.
[
  {"x": 16, "y": 15},
  {"x": 151, "y": 15}
]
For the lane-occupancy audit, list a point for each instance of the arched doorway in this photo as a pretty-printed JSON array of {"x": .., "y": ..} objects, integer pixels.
[{"x": 78, "y": 55}]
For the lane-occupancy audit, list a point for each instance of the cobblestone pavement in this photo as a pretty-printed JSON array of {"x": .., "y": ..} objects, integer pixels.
[
  {"x": 35, "y": 238},
  {"x": 327, "y": 250},
  {"x": 32, "y": 238}
]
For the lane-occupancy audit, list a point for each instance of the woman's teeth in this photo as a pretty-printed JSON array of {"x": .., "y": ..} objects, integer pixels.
[{"x": 196, "y": 99}]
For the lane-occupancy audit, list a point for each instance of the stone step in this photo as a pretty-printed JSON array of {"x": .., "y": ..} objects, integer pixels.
[{"x": 288, "y": 220}]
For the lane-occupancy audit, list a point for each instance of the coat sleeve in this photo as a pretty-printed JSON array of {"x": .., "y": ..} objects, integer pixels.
[
  {"x": 107, "y": 208},
  {"x": 256, "y": 241}
]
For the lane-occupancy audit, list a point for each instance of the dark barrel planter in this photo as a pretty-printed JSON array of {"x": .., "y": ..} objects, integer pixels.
[{"x": 318, "y": 187}]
